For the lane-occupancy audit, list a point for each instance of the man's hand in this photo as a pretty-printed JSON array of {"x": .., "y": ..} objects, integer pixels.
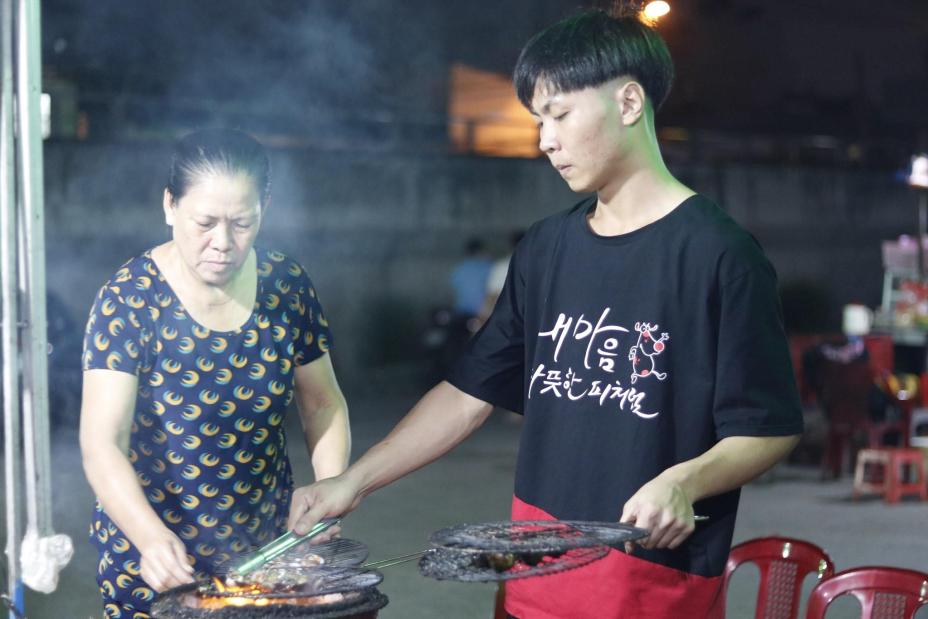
[
  {"x": 444, "y": 417},
  {"x": 328, "y": 498},
  {"x": 662, "y": 507},
  {"x": 164, "y": 561}
]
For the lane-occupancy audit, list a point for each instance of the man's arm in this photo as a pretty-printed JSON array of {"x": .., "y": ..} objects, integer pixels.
[
  {"x": 664, "y": 505},
  {"x": 444, "y": 417}
]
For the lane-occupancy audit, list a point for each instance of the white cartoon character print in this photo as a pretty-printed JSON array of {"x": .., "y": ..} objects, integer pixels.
[{"x": 648, "y": 347}]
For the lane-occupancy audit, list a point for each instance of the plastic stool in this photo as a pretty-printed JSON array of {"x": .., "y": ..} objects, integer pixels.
[{"x": 891, "y": 483}]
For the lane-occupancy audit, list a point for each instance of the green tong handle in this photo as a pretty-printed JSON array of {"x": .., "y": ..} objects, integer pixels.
[{"x": 279, "y": 546}]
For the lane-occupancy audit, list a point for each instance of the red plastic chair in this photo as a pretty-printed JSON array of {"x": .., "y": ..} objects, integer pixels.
[
  {"x": 784, "y": 563},
  {"x": 844, "y": 392},
  {"x": 880, "y": 349},
  {"x": 883, "y": 592},
  {"x": 798, "y": 346}
]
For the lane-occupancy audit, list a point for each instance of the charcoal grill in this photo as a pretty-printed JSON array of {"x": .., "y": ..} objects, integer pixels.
[
  {"x": 328, "y": 592},
  {"x": 363, "y": 604}
]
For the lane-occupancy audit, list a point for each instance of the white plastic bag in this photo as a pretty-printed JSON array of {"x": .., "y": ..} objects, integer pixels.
[{"x": 42, "y": 558}]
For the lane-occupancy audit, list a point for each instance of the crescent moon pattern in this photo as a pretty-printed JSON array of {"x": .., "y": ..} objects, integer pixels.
[
  {"x": 209, "y": 429},
  {"x": 269, "y": 354},
  {"x": 227, "y": 409},
  {"x": 131, "y": 349},
  {"x": 257, "y": 371},
  {"x": 116, "y": 326},
  {"x": 206, "y": 438},
  {"x": 191, "y": 412},
  {"x": 223, "y": 376},
  {"x": 282, "y": 285},
  {"x": 200, "y": 332},
  {"x": 244, "y": 425},
  {"x": 186, "y": 345},
  {"x": 208, "y": 459},
  {"x": 262, "y": 404}
]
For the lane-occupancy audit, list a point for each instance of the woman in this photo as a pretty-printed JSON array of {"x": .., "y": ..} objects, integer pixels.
[{"x": 192, "y": 353}]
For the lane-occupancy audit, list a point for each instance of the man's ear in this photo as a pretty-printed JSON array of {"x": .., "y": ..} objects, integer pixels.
[
  {"x": 167, "y": 203},
  {"x": 632, "y": 102}
]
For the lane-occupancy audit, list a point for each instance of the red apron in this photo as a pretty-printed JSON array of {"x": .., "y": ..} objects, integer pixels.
[{"x": 618, "y": 586}]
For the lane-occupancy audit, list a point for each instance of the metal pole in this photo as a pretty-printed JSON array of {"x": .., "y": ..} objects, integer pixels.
[
  {"x": 922, "y": 231},
  {"x": 10, "y": 324},
  {"x": 35, "y": 371}
]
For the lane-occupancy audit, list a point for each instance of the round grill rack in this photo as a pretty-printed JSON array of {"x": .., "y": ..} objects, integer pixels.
[
  {"x": 468, "y": 566},
  {"x": 528, "y": 536},
  {"x": 507, "y": 550},
  {"x": 341, "y": 552}
]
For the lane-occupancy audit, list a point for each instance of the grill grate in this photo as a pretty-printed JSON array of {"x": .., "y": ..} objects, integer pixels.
[
  {"x": 342, "y": 552},
  {"x": 305, "y": 582},
  {"x": 362, "y": 604},
  {"x": 527, "y": 536},
  {"x": 469, "y": 566}
]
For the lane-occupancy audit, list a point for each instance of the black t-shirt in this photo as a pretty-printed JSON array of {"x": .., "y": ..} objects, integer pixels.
[{"x": 631, "y": 353}]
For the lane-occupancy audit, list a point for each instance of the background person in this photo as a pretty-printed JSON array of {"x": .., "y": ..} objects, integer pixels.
[
  {"x": 469, "y": 279},
  {"x": 192, "y": 353},
  {"x": 496, "y": 280}
]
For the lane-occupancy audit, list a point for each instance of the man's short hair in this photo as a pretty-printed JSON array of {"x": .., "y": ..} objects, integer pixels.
[{"x": 591, "y": 48}]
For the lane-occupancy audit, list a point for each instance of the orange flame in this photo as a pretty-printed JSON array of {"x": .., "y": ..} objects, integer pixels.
[
  {"x": 247, "y": 590},
  {"x": 251, "y": 595}
]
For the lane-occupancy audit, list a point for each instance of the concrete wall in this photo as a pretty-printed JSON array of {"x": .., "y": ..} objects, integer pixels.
[{"x": 379, "y": 233}]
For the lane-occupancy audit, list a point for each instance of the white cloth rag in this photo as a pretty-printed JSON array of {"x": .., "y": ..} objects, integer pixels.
[{"x": 42, "y": 558}]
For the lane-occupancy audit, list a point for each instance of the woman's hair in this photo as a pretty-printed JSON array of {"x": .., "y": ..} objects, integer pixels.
[
  {"x": 592, "y": 48},
  {"x": 211, "y": 152}
]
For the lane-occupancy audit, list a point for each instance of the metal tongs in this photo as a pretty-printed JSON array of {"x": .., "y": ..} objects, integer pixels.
[{"x": 271, "y": 551}]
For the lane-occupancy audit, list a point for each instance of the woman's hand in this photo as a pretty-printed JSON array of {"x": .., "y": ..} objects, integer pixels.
[
  {"x": 106, "y": 419},
  {"x": 164, "y": 561}
]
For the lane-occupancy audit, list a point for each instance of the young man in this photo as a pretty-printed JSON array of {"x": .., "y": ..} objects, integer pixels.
[{"x": 638, "y": 332}]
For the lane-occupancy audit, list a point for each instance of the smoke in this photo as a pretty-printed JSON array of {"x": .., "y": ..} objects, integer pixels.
[
  {"x": 274, "y": 63},
  {"x": 291, "y": 58}
]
